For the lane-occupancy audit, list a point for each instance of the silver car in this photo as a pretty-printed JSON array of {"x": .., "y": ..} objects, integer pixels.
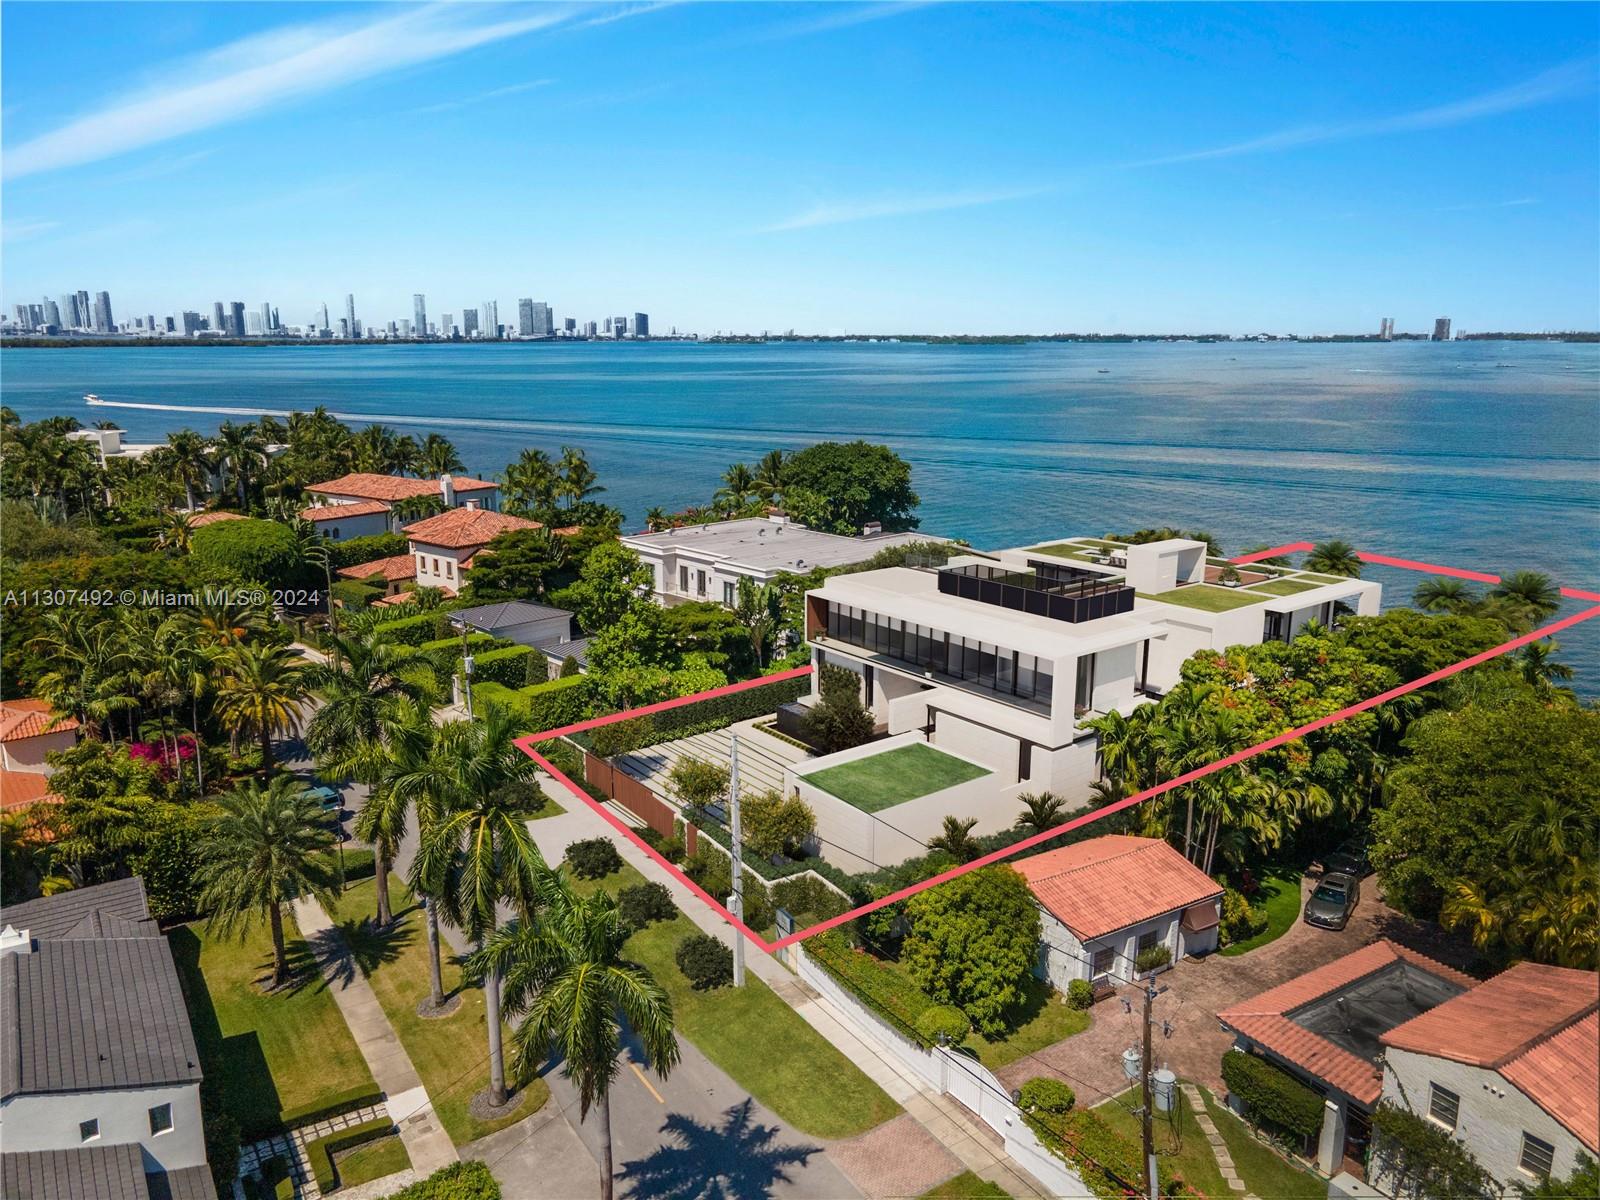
[{"x": 1333, "y": 900}]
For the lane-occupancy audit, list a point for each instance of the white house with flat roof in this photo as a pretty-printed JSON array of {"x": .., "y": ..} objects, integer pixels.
[
  {"x": 1005, "y": 658},
  {"x": 706, "y": 562}
]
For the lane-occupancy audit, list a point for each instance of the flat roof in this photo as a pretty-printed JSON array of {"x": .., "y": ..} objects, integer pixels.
[
  {"x": 760, "y": 544},
  {"x": 912, "y": 595}
]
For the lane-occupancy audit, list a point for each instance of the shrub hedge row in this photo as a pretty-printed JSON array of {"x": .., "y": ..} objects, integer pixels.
[
  {"x": 354, "y": 593},
  {"x": 321, "y": 1151},
  {"x": 459, "y": 1181},
  {"x": 1271, "y": 1095},
  {"x": 1107, "y": 1162},
  {"x": 706, "y": 716},
  {"x": 413, "y": 631},
  {"x": 444, "y": 654},
  {"x": 544, "y": 705},
  {"x": 506, "y": 665},
  {"x": 882, "y": 989}
]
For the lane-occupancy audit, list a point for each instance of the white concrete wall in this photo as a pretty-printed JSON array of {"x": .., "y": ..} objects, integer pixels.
[
  {"x": 437, "y": 566},
  {"x": 967, "y": 739},
  {"x": 1068, "y": 771},
  {"x": 50, "y": 1122},
  {"x": 342, "y": 529},
  {"x": 1113, "y": 678},
  {"x": 1492, "y": 1116}
]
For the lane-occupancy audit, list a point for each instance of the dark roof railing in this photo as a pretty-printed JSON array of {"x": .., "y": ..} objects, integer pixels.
[{"x": 1061, "y": 599}]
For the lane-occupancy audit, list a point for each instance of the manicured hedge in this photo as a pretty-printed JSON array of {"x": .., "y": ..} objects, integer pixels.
[
  {"x": 1107, "y": 1162},
  {"x": 370, "y": 548},
  {"x": 444, "y": 654},
  {"x": 885, "y": 991},
  {"x": 459, "y": 1181},
  {"x": 1043, "y": 1094},
  {"x": 705, "y": 716},
  {"x": 321, "y": 1151},
  {"x": 1271, "y": 1095},
  {"x": 544, "y": 705},
  {"x": 507, "y": 665},
  {"x": 411, "y": 631}
]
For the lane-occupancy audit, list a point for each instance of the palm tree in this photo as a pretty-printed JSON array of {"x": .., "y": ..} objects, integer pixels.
[
  {"x": 89, "y": 670},
  {"x": 1334, "y": 558},
  {"x": 1537, "y": 663},
  {"x": 738, "y": 486},
  {"x": 260, "y": 692},
  {"x": 478, "y": 850},
  {"x": 1442, "y": 595},
  {"x": 376, "y": 448},
  {"x": 242, "y": 449},
  {"x": 1039, "y": 812},
  {"x": 218, "y": 621},
  {"x": 656, "y": 519},
  {"x": 565, "y": 973},
  {"x": 757, "y": 607},
  {"x": 177, "y": 528},
  {"x": 263, "y": 851},
  {"x": 531, "y": 482},
  {"x": 578, "y": 481},
  {"x": 350, "y": 734},
  {"x": 189, "y": 460},
  {"x": 415, "y": 778},
  {"x": 1532, "y": 591},
  {"x": 769, "y": 475},
  {"x": 438, "y": 456},
  {"x": 956, "y": 839}
]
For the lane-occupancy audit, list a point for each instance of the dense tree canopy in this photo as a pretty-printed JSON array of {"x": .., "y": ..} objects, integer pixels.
[
  {"x": 264, "y": 552},
  {"x": 840, "y": 486}
]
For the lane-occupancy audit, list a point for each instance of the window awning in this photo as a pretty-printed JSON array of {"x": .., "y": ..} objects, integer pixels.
[{"x": 1199, "y": 917}]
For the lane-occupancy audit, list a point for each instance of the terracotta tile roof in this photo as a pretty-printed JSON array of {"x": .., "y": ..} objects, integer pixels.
[
  {"x": 1562, "y": 1076},
  {"x": 18, "y": 789},
  {"x": 1264, "y": 1020},
  {"x": 334, "y": 512},
  {"x": 1109, "y": 883},
  {"x": 397, "y": 598},
  {"x": 1536, "y": 1025},
  {"x": 394, "y": 487},
  {"x": 29, "y": 718},
  {"x": 460, "y": 528},
  {"x": 399, "y": 566},
  {"x": 211, "y": 518}
]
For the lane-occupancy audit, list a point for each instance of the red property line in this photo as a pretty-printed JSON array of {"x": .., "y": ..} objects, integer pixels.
[
  {"x": 1290, "y": 548},
  {"x": 526, "y": 744},
  {"x": 1383, "y": 560}
]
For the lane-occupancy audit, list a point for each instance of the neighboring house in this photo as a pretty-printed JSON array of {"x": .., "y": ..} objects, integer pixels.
[
  {"x": 1107, "y": 900},
  {"x": 706, "y": 562},
  {"x": 201, "y": 520},
  {"x": 19, "y": 789},
  {"x": 547, "y": 629},
  {"x": 393, "y": 573},
  {"x": 29, "y": 731},
  {"x": 362, "y": 504},
  {"x": 108, "y": 444},
  {"x": 1510, "y": 1069},
  {"x": 1006, "y": 658},
  {"x": 99, "y": 1075},
  {"x": 1326, "y": 1028},
  {"x": 442, "y": 546}
]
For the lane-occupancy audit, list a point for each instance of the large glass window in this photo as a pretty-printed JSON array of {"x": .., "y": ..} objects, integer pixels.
[{"x": 994, "y": 667}]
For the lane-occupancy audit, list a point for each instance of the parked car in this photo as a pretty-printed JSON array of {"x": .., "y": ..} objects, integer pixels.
[
  {"x": 1349, "y": 859},
  {"x": 332, "y": 802},
  {"x": 1333, "y": 900}
]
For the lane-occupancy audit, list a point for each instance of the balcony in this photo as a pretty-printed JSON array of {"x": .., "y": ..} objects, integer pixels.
[{"x": 1062, "y": 593}]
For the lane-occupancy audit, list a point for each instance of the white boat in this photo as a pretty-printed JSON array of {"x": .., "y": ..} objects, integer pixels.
[{"x": 91, "y": 398}]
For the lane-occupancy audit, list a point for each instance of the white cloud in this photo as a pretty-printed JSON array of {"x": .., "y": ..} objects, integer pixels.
[
  {"x": 274, "y": 68},
  {"x": 1558, "y": 83},
  {"x": 21, "y": 231},
  {"x": 899, "y": 206},
  {"x": 840, "y": 16},
  {"x": 492, "y": 94},
  {"x": 1520, "y": 202}
]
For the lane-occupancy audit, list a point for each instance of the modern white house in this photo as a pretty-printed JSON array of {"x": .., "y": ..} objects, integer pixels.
[
  {"x": 99, "y": 1074},
  {"x": 361, "y": 503},
  {"x": 1005, "y": 658},
  {"x": 706, "y": 562},
  {"x": 1107, "y": 900}
]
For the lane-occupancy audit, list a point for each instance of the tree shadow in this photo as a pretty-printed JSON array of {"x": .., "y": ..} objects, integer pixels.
[
  {"x": 360, "y": 946},
  {"x": 737, "y": 1159}
]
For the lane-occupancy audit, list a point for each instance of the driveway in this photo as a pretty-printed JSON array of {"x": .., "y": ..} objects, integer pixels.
[{"x": 1188, "y": 1038}]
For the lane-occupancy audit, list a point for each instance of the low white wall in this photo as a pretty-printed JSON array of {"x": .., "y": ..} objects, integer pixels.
[{"x": 952, "y": 1074}]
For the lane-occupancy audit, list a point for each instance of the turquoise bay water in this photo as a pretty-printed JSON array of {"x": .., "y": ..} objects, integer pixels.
[{"x": 1483, "y": 455}]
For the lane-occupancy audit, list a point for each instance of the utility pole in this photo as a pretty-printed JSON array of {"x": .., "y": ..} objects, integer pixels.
[
  {"x": 466, "y": 670},
  {"x": 1152, "y": 1186},
  {"x": 736, "y": 901}
]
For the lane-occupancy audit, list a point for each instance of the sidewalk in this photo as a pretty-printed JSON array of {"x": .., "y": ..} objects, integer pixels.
[
  {"x": 979, "y": 1148},
  {"x": 407, "y": 1100}
]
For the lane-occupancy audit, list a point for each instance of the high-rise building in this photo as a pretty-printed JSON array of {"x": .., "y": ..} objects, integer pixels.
[
  {"x": 219, "y": 320},
  {"x": 641, "y": 324},
  {"x": 24, "y": 318},
  {"x": 253, "y": 325},
  {"x": 69, "y": 311},
  {"x": 570, "y": 324},
  {"x": 489, "y": 319},
  {"x": 190, "y": 322},
  {"x": 1441, "y": 329},
  {"x": 277, "y": 321},
  {"x": 533, "y": 319},
  {"x": 525, "y": 318},
  {"x": 447, "y": 325},
  {"x": 349, "y": 312},
  {"x": 236, "y": 319},
  {"x": 591, "y": 330},
  {"x": 36, "y": 315},
  {"x": 419, "y": 314},
  {"x": 344, "y": 327},
  {"x": 85, "y": 312},
  {"x": 469, "y": 322},
  {"x": 52, "y": 312},
  {"x": 102, "y": 313},
  {"x": 322, "y": 322},
  {"x": 405, "y": 328},
  {"x": 619, "y": 326},
  {"x": 1386, "y": 328},
  {"x": 268, "y": 325},
  {"x": 608, "y": 326}
]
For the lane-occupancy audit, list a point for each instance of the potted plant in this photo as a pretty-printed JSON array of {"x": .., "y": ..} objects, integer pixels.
[{"x": 1230, "y": 576}]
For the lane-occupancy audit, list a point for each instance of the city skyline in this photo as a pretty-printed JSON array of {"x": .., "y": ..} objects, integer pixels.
[{"x": 828, "y": 170}]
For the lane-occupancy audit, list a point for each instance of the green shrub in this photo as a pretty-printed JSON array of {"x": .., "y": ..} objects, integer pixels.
[
  {"x": 368, "y": 548},
  {"x": 1108, "y": 1163},
  {"x": 505, "y": 665},
  {"x": 410, "y": 631},
  {"x": 1271, "y": 1095},
  {"x": 1041, "y": 1094},
  {"x": 644, "y": 903},
  {"x": 321, "y": 1151},
  {"x": 622, "y": 737},
  {"x": 1241, "y": 920},
  {"x": 1080, "y": 994},
  {"x": 459, "y": 1181},
  {"x": 594, "y": 858},
  {"x": 1152, "y": 959},
  {"x": 535, "y": 667},
  {"x": 264, "y": 552},
  {"x": 838, "y": 720},
  {"x": 881, "y": 988},
  {"x": 356, "y": 593},
  {"x": 944, "y": 1019},
  {"x": 570, "y": 667},
  {"x": 705, "y": 962},
  {"x": 1421, "y": 1160},
  {"x": 560, "y": 702},
  {"x": 808, "y": 899},
  {"x": 444, "y": 654},
  {"x": 718, "y": 712}
]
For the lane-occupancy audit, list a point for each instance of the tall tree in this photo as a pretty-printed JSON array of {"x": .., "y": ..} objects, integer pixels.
[
  {"x": 1443, "y": 595},
  {"x": 264, "y": 851},
  {"x": 243, "y": 451},
  {"x": 758, "y": 608},
  {"x": 438, "y": 456},
  {"x": 260, "y": 693},
  {"x": 189, "y": 459},
  {"x": 1532, "y": 591},
  {"x": 1334, "y": 558}
]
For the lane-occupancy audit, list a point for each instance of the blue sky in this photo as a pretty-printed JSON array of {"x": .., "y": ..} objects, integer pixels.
[{"x": 831, "y": 168}]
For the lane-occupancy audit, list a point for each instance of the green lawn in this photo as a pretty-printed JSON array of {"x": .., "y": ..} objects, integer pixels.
[
  {"x": 885, "y": 780},
  {"x": 1284, "y": 587},
  {"x": 1326, "y": 578},
  {"x": 1065, "y": 550},
  {"x": 1182, "y": 1148},
  {"x": 1280, "y": 896},
  {"x": 273, "y": 1053},
  {"x": 450, "y": 1053},
  {"x": 372, "y": 1161},
  {"x": 762, "y": 1043},
  {"x": 966, "y": 1186},
  {"x": 1206, "y": 598}
]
